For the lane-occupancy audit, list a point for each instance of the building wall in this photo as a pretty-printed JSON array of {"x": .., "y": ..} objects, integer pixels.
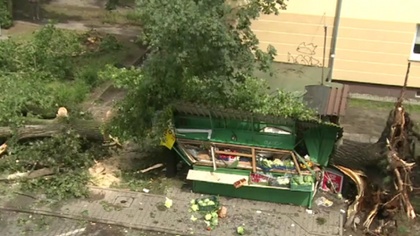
[
  {"x": 375, "y": 38},
  {"x": 298, "y": 32}
]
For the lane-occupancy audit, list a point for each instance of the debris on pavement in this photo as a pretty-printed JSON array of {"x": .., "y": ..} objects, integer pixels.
[
  {"x": 103, "y": 175},
  {"x": 210, "y": 209},
  {"x": 323, "y": 201},
  {"x": 168, "y": 203},
  {"x": 145, "y": 190},
  {"x": 240, "y": 230},
  {"x": 222, "y": 212}
]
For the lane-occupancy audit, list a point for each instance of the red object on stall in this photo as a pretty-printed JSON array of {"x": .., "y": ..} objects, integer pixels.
[{"x": 335, "y": 179}]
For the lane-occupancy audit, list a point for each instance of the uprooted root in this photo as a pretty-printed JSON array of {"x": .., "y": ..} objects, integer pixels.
[{"x": 385, "y": 201}]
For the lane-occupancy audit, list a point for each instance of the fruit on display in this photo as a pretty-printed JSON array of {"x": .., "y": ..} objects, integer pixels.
[
  {"x": 310, "y": 164},
  {"x": 302, "y": 180},
  {"x": 284, "y": 180},
  {"x": 265, "y": 163},
  {"x": 277, "y": 163}
]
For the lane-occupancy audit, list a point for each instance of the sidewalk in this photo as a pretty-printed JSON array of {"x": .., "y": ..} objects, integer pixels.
[
  {"x": 130, "y": 31},
  {"x": 146, "y": 211}
]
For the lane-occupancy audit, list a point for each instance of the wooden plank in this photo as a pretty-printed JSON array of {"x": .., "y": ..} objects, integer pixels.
[
  {"x": 254, "y": 161},
  {"x": 222, "y": 165},
  {"x": 233, "y": 154},
  {"x": 213, "y": 177},
  {"x": 245, "y": 146},
  {"x": 296, "y": 164}
]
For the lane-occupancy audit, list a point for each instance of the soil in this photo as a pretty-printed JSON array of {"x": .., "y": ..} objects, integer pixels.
[{"x": 366, "y": 118}]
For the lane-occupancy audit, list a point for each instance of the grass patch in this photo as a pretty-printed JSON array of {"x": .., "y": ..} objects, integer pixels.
[{"x": 377, "y": 105}]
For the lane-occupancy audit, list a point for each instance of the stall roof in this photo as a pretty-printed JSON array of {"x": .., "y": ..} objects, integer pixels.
[{"x": 224, "y": 113}]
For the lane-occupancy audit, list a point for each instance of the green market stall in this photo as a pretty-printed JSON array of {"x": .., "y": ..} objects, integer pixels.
[{"x": 252, "y": 156}]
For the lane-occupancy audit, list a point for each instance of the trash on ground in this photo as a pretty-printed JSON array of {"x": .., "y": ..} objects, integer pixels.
[
  {"x": 168, "y": 203},
  {"x": 210, "y": 210},
  {"x": 146, "y": 190},
  {"x": 222, "y": 212},
  {"x": 240, "y": 230},
  {"x": 322, "y": 201},
  {"x": 309, "y": 211},
  {"x": 258, "y": 212}
]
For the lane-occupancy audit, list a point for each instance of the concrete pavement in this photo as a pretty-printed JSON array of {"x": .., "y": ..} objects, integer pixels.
[
  {"x": 147, "y": 212},
  {"x": 14, "y": 224}
]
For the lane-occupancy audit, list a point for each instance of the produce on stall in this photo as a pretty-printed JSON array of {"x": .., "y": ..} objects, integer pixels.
[{"x": 252, "y": 156}]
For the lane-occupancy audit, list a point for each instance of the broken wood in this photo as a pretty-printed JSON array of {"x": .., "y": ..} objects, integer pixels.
[
  {"x": 3, "y": 148},
  {"x": 29, "y": 175},
  {"x": 381, "y": 172},
  {"x": 151, "y": 168},
  {"x": 41, "y": 128}
]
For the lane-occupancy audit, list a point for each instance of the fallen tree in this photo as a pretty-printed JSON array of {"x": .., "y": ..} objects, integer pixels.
[
  {"x": 382, "y": 173},
  {"x": 41, "y": 128}
]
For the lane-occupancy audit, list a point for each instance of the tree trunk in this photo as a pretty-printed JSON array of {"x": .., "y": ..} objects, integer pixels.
[
  {"x": 357, "y": 155},
  {"x": 40, "y": 128}
]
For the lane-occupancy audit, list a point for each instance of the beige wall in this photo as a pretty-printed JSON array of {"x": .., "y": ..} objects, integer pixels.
[
  {"x": 298, "y": 32},
  {"x": 374, "y": 41},
  {"x": 376, "y": 52}
]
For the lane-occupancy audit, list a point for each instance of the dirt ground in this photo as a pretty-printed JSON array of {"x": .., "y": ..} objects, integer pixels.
[{"x": 369, "y": 117}]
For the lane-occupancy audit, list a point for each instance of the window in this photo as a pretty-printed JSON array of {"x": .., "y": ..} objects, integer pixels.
[{"x": 415, "y": 52}]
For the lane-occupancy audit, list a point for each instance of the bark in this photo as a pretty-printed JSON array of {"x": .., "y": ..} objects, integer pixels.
[
  {"x": 41, "y": 128},
  {"x": 29, "y": 175},
  {"x": 391, "y": 158},
  {"x": 357, "y": 155}
]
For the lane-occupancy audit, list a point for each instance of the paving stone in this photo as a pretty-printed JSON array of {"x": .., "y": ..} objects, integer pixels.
[{"x": 146, "y": 211}]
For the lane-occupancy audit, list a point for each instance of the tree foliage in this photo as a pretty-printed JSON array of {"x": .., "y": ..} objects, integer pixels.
[
  {"x": 45, "y": 72},
  {"x": 201, "y": 51},
  {"x": 6, "y": 20},
  {"x": 66, "y": 154}
]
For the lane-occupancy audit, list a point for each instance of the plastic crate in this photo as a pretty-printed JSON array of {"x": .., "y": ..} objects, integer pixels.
[
  {"x": 294, "y": 186},
  {"x": 210, "y": 208}
]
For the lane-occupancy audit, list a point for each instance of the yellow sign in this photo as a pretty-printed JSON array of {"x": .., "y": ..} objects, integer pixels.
[{"x": 169, "y": 139}]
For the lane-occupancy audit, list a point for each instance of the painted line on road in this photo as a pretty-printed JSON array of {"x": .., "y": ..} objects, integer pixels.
[{"x": 72, "y": 232}]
